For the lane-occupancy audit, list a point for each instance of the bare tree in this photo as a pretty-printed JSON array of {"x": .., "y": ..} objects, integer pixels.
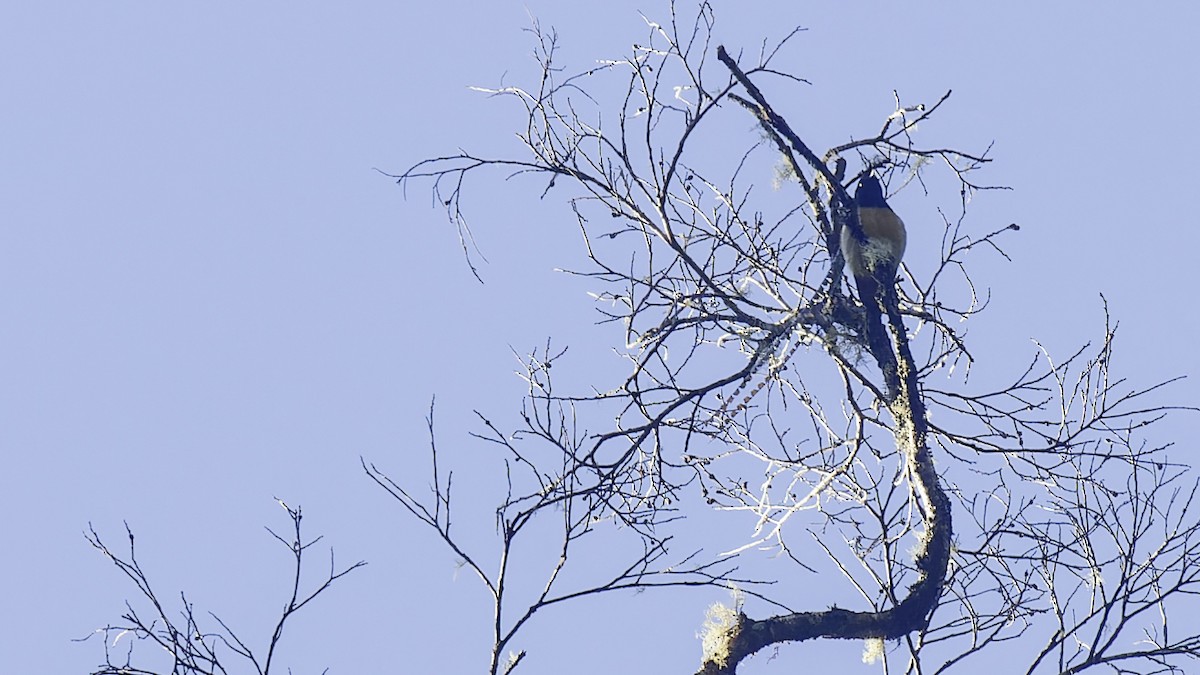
[
  {"x": 188, "y": 642},
  {"x": 840, "y": 420}
]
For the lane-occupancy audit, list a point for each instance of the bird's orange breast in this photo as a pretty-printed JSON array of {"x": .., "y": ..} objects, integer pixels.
[{"x": 886, "y": 240}]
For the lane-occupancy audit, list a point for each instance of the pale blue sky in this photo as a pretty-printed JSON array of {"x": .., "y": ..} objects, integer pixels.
[{"x": 210, "y": 299}]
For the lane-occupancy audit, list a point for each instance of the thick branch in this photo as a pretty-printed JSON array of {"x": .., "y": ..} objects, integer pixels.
[{"x": 910, "y": 433}]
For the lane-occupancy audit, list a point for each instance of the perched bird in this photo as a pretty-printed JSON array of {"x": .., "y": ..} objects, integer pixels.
[{"x": 874, "y": 262}]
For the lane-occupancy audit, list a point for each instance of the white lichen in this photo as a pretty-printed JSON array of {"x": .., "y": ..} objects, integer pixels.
[
  {"x": 720, "y": 630},
  {"x": 920, "y": 545},
  {"x": 872, "y": 650}
]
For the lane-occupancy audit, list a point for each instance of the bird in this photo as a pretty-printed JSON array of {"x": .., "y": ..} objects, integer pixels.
[{"x": 874, "y": 258}]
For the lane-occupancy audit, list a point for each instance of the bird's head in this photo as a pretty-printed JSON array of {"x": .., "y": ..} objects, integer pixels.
[{"x": 869, "y": 193}]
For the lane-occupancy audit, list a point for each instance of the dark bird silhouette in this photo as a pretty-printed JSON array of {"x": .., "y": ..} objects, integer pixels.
[
  {"x": 874, "y": 255},
  {"x": 873, "y": 251}
]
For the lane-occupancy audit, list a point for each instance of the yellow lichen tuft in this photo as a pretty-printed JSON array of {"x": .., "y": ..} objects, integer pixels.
[
  {"x": 720, "y": 630},
  {"x": 872, "y": 650}
]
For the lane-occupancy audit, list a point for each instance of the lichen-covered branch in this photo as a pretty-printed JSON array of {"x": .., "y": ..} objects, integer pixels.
[{"x": 760, "y": 381}]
